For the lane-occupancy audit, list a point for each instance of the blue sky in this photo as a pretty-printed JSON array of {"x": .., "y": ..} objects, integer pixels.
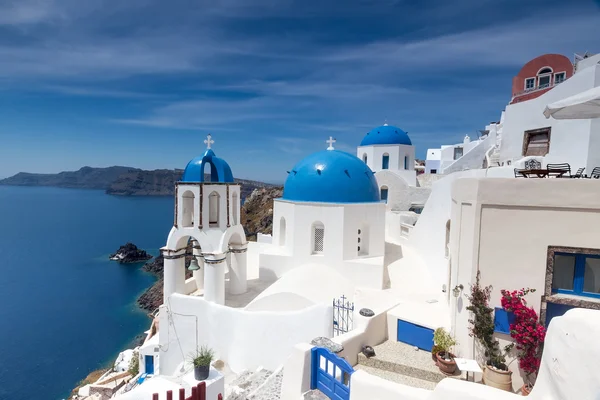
[{"x": 140, "y": 82}]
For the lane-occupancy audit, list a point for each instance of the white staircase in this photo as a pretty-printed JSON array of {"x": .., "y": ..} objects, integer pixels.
[{"x": 261, "y": 384}]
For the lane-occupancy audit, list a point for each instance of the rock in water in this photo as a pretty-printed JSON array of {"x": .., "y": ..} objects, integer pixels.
[{"x": 129, "y": 253}]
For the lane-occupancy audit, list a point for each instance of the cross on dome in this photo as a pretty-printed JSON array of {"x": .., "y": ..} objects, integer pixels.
[
  {"x": 385, "y": 123},
  {"x": 208, "y": 141},
  {"x": 331, "y": 141}
]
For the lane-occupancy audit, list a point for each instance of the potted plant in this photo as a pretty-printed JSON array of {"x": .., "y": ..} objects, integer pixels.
[
  {"x": 434, "y": 350},
  {"x": 201, "y": 361},
  {"x": 496, "y": 373},
  {"x": 444, "y": 342},
  {"x": 528, "y": 333}
]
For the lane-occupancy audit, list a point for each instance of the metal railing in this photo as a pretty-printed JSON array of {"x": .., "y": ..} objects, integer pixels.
[{"x": 536, "y": 89}]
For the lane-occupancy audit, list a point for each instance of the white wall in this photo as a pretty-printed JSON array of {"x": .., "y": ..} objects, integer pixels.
[
  {"x": 369, "y": 387},
  {"x": 504, "y": 228},
  {"x": 396, "y": 152},
  {"x": 427, "y": 239},
  {"x": 243, "y": 339},
  {"x": 473, "y": 156},
  {"x": 571, "y": 141},
  {"x": 400, "y": 194},
  {"x": 341, "y": 222}
]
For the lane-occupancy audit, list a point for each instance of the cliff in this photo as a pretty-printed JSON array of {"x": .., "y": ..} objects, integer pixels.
[
  {"x": 123, "y": 181},
  {"x": 84, "y": 178},
  {"x": 257, "y": 212}
]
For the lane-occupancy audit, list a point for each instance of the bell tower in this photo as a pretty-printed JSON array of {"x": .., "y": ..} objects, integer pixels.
[{"x": 207, "y": 214}]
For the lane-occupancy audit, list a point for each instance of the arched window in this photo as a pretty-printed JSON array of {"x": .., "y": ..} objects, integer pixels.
[
  {"x": 544, "y": 77},
  {"x": 214, "y": 205},
  {"x": 318, "y": 238},
  {"x": 405, "y": 162},
  {"x": 363, "y": 240},
  {"x": 282, "y": 231},
  {"x": 365, "y": 158},
  {"x": 385, "y": 161},
  {"x": 447, "y": 246},
  {"x": 384, "y": 194},
  {"x": 236, "y": 207},
  {"x": 187, "y": 212}
]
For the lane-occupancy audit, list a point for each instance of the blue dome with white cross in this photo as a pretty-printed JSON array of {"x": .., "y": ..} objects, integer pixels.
[
  {"x": 219, "y": 169},
  {"x": 331, "y": 176},
  {"x": 386, "y": 134}
]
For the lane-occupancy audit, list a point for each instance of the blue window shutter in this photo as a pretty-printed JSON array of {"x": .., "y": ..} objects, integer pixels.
[{"x": 502, "y": 320}]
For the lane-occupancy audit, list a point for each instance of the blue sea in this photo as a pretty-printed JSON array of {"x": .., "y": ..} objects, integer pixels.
[{"x": 65, "y": 309}]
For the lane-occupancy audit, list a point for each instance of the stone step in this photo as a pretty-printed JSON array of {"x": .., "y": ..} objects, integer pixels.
[
  {"x": 315, "y": 394},
  {"x": 403, "y": 359},
  {"x": 246, "y": 383},
  {"x": 397, "y": 378},
  {"x": 271, "y": 389}
]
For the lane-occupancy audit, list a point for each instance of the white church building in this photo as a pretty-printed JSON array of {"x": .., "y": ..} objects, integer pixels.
[{"x": 259, "y": 305}]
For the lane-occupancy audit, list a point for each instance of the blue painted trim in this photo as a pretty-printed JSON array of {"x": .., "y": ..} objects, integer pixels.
[
  {"x": 415, "y": 335},
  {"x": 578, "y": 276},
  {"x": 502, "y": 320}
]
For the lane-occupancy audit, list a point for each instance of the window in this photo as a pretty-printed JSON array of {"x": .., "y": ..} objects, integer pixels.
[
  {"x": 558, "y": 78},
  {"x": 458, "y": 152},
  {"x": 318, "y": 238},
  {"x": 405, "y": 162},
  {"x": 544, "y": 77},
  {"x": 187, "y": 212},
  {"x": 577, "y": 274},
  {"x": 282, "y": 231},
  {"x": 536, "y": 142},
  {"x": 363, "y": 240},
  {"x": 384, "y": 193},
  {"x": 213, "y": 209},
  {"x": 385, "y": 161},
  {"x": 235, "y": 208},
  {"x": 433, "y": 171},
  {"x": 529, "y": 83},
  {"x": 365, "y": 158}
]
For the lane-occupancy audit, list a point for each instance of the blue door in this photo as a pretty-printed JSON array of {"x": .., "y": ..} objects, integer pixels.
[
  {"x": 555, "y": 310},
  {"x": 330, "y": 374},
  {"x": 415, "y": 335},
  {"x": 149, "y": 361}
]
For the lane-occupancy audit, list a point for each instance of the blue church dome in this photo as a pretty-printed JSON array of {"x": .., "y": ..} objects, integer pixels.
[
  {"x": 386, "y": 134},
  {"x": 219, "y": 169},
  {"x": 331, "y": 176}
]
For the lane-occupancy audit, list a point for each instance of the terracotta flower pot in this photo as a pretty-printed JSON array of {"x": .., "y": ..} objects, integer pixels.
[
  {"x": 448, "y": 367},
  {"x": 497, "y": 378},
  {"x": 526, "y": 389}
]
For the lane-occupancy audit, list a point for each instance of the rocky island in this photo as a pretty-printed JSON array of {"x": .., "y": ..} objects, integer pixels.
[
  {"x": 120, "y": 181},
  {"x": 129, "y": 253}
]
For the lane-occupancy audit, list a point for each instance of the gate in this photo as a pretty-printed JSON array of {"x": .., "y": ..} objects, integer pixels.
[
  {"x": 330, "y": 374},
  {"x": 343, "y": 316}
]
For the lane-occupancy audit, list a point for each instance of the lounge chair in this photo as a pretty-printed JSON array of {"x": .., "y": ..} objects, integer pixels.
[
  {"x": 579, "y": 173},
  {"x": 595, "y": 173}
]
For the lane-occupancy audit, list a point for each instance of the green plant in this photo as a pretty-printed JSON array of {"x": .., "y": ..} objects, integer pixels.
[
  {"x": 482, "y": 325},
  {"x": 443, "y": 341},
  {"x": 134, "y": 364},
  {"x": 436, "y": 349},
  {"x": 203, "y": 357}
]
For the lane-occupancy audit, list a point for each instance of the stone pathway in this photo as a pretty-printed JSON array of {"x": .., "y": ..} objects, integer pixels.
[{"x": 271, "y": 390}]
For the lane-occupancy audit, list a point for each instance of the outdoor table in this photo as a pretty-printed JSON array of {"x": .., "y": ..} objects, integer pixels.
[
  {"x": 527, "y": 173},
  {"x": 468, "y": 365}
]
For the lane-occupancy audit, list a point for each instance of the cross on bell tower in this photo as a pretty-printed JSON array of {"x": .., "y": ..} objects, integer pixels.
[
  {"x": 209, "y": 141},
  {"x": 331, "y": 141}
]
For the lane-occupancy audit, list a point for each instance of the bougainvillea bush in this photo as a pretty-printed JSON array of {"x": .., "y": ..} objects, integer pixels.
[{"x": 527, "y": 331}]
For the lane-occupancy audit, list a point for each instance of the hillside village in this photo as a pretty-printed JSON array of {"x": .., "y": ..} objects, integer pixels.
[{"x": 475, "y": 276}]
